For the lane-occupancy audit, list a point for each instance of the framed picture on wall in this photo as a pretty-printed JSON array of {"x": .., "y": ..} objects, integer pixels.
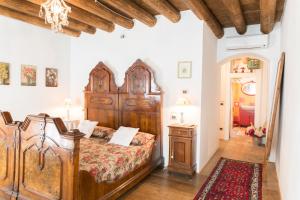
[
  {"x": 4, "y": 73},
  {"x": 184, "y": 69},
  {"x": 51, "y": 77},
  {"x": 28, "y": 75}
]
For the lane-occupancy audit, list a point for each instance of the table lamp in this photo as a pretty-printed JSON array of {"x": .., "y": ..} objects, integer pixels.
[
  {"x": 68, "y": 104},
  {"x": 182, "y": 102}
]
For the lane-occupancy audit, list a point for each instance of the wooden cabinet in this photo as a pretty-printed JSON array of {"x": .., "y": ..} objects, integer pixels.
[{"x": 182, "y": 144}]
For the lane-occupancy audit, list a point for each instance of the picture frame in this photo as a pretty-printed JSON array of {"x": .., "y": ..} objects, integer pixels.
[
  {"x": 4, "y": 73},
  {"x": 184, "y": 70},
  {"x": 28, "y": 75},
  {"x": 51, "y": 77},
  {"x": 253, "y": 63}
]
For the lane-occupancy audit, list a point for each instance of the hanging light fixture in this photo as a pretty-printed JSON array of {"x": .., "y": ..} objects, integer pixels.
[{"x": 55, "y": 13}]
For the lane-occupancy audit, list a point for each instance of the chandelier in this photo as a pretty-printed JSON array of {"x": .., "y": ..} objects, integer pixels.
[{"x": 55, "y": 13}]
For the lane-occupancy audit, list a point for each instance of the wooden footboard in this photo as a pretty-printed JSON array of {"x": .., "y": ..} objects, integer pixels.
[
  {"x": 90, "y": 190},
  {"x": 49, "y": 157},
  {"x": 8, "y": 138}
]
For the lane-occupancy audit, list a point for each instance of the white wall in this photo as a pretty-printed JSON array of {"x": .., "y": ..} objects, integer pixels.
[
  {"x": 161, "y": 47},
  {"x": 271, "y": 54},
  {"x": 21, "y": 43},
  {"x": 288, "y": 159},
  {"x": 210, "y": 92}
]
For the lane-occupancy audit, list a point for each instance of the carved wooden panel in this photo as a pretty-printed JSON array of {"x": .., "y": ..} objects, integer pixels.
[
  {"x": 8, "y": 134},
  {"x": 3, "y": 160},
  {"x": 139, "y": 81},
  {"x": 43, "y": 172},
  {"x": 101, "y": 97},
  {"x": 140, "y": 99},
  {"x": 101, "y": 80},
  {"x": 49, "y": 157}
]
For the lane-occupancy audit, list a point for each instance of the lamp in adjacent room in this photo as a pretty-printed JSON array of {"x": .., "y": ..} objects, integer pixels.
[
  {"x": 68, "y": 104},
  {"x": 182, "y": 102}
]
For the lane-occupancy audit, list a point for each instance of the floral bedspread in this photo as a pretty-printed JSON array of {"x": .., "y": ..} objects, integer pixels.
[{"x": 110, "y": 162}]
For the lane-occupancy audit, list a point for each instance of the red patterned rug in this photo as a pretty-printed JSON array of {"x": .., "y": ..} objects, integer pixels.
[{"x": 233, "y": 180}]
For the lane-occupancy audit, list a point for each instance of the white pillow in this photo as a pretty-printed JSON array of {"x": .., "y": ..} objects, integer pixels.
[
  {"x": 87, "y": 127},
  {"x": 123, "y": 136}
]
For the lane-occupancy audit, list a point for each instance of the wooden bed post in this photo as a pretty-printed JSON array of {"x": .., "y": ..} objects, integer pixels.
[
  {"x": 49, "y": 159},
  {"x": 9, "y": 133}
]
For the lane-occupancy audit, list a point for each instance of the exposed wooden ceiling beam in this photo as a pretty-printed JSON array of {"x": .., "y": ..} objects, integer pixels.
[
  {"x": 77, "y": 25},
  {"x": 267, "y": 15},
  {"x": 33, "y": 10},
  {"x": 235, "y": 14},
  {"x": 100, "y": 10},
  {"x": 201, "y": 10},
  {"x": 165, "y": 8},
  {"x": 33, "y": 20},
  {"x": 133, "y": 10},
  {"x": 85, "y": 17}
]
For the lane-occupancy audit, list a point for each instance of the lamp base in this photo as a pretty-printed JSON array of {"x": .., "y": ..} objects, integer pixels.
[{"x": 181, "y": 118}]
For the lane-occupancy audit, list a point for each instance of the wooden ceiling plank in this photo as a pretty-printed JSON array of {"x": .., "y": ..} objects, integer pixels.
[
  {"x": 133, "y": 10},
  {"x": 85, "y": 17},
  {"x": 33, "y": 10},
  {"x": 33, "y": 20},
  {"x": 165, "y": 8},
  {"x": 202, "y": 12},
  {"x": 267, "y": 15},
  {"x": 100, "y": 10},
  {"x": 235, "y": 14}
]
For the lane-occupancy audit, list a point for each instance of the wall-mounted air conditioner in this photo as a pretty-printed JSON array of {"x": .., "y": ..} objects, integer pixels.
[{"x": 247, "y": 42}]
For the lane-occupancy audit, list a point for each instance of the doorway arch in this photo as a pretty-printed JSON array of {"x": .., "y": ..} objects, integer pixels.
[{"x": 261, "y": 109}]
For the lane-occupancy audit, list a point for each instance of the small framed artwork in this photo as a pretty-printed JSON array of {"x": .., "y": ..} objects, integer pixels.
[
  {"x": 4, "y": 73},
  {"x": 51, "y": 77},
  {"x": 28, "y": 75},
  {"x": 185, "y": 69}
]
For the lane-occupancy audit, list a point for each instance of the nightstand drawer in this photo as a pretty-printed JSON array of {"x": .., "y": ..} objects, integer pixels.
[{"x": 181, "y": 132}]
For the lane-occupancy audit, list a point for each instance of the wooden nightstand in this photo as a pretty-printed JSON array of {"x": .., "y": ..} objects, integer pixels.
[{"x": 182, "y": 142}]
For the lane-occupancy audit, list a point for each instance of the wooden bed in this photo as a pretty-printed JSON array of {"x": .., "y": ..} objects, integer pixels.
[
  {"x": 47, "y": 155},
  {"x": 137, "y": 103}
]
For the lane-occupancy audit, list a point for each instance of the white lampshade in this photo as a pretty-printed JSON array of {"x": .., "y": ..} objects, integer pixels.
[
  {"x": 68, "y": 102},
  {"x": 182, "y": 101}
]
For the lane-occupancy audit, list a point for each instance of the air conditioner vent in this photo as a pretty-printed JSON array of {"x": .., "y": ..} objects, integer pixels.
[{"x": 247, "y": 42}]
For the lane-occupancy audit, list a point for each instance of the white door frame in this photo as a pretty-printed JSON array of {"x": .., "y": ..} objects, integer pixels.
[{"x": 261, "y": 99}]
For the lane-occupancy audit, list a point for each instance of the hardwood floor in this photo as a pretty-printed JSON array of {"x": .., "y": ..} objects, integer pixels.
[{"x": 162, "y": 185}]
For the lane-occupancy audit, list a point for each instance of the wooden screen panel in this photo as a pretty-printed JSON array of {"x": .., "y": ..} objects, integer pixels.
[
  {"x": 49, "y": 159},
  {"x": 101, "y": 97},
  {"x": 8, "y": 134}
]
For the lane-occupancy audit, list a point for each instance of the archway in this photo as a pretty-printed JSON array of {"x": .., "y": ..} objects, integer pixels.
[{"x": 259, "y": 76}]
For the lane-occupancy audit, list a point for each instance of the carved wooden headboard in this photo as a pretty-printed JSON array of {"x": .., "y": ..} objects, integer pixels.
[
  {"x": 101, "y": 97},
  {"x": 140, "y": 99},
  {"x": 137, "y": 103}
]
